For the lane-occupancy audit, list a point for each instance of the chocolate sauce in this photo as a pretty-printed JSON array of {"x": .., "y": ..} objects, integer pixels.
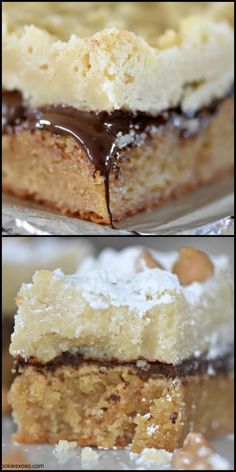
[
  {"x": 191, "y": 366},
  {"x": 12, "y": 108},
  {"x": 103, "y": 135}
]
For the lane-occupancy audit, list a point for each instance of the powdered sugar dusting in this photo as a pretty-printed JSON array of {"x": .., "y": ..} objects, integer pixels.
[
  {"x": 141, "y": 291},
  {"x": 199, "y": 296},
  {"x": 124, "y": 263},
  {"x": 152, "y": 429},
  {"x": 111, "y": 298},
  {"x": 221, "y": 262}
]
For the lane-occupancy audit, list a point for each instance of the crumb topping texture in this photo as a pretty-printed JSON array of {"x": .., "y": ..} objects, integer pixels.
[
  {"x": 108, "y": 314},
  {"x": 117, "y": 55}
]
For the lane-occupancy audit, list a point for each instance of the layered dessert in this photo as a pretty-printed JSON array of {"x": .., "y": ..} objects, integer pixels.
[
  {"x": 21, "y": 256},
  {"x": 112, "y": 108},
  {"x": 137, "y": 352}
]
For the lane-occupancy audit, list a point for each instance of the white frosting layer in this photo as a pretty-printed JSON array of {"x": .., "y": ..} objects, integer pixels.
[
  {"x": 120, "y": 314},
  {"x": 119, "y": 55}
]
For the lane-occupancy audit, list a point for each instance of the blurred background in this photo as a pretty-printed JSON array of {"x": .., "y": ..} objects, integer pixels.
[
  {"x": 212, "y": 244},
  {"x": 23, "y": 255}
]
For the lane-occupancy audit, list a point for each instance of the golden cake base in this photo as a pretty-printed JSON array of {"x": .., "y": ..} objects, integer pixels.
[
  {"x": 106, "y": 406},
  {"x": 56, "y": 171}
]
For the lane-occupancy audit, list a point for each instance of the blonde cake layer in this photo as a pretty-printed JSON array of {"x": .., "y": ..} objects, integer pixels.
[{"x": 112, "y": 406}]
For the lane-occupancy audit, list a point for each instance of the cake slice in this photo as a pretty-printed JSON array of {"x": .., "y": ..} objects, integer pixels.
[
  {"x": 20, "y": 258},
  {"x": 107, "y": 358},
  {"x": 112, "y": 108}
]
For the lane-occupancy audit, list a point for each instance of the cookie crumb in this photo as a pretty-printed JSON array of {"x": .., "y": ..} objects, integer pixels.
[
  {"x": 153, "y": 455},
  {"x": 65, "y": 446},
  {"x": 88, "y": 457}
]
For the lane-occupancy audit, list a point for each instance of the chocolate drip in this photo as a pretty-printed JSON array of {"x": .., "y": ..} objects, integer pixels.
[
  {"x": 192, "y": 366},
  {"x": 12, "y": 108},
  {"x": 103, "y": 135}
]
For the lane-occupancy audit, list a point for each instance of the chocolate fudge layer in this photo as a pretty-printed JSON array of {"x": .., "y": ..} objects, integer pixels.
[{"x": 193, "y": 366}]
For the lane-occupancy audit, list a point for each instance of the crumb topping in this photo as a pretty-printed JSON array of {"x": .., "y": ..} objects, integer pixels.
[
  {"x": 116, "y": 55},
  {"x": 122, "y": 314}
]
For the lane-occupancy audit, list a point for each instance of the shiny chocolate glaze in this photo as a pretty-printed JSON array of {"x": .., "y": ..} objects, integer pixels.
[
  {"x": 104, "y": 136},
  {"x": 12, "y": 108},
  {"x": 199, "y": 366}
]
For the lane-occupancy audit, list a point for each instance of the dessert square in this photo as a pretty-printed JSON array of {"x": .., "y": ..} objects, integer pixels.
[
  {"x": 139, "y": 355},
  {"x": 21, "y": 256},
  {"x": 113, "y": 108}
]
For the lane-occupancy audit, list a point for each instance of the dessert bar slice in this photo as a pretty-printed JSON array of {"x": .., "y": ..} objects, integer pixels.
[
  {"x": 21, "y": 257},
  {"x": 111, "y": 108},
  {"x": 107, "y": 359}
]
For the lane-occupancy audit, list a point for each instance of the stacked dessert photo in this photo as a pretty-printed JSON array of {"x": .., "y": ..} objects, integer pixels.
[
  {"x": 113, "y": 108},
  {"x": 117, "y": 235},
  {"x": 135, "y": 348}
]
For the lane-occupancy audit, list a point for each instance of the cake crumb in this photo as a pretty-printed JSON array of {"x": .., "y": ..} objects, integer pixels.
[
  {"x": 143, "y": 365},
  {"x": 168, "y": 397},
  {"x": 160, "y": 456},
  {"x": 65, "y": 446},
  {"x": 153, "y": 457},
  {"x": 98, "y": 412},
  {"x": 88, "y": 457}
]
